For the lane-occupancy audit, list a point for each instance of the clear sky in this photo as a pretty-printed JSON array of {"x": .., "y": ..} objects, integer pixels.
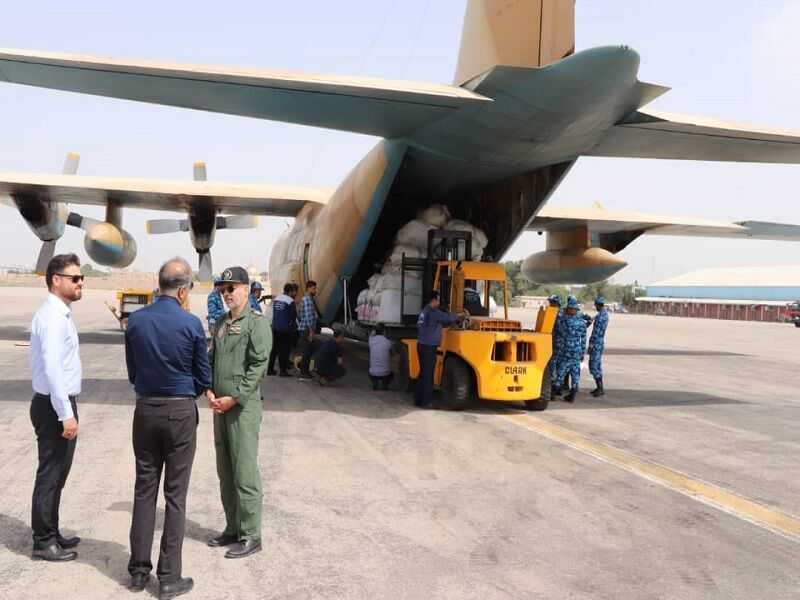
[{"x": 731, "y": 60}]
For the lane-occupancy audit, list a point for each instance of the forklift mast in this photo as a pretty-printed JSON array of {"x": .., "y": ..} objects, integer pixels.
[{"x": 443, "y": 244}]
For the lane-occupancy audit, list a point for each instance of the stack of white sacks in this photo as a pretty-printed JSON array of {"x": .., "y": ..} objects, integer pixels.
[{"x": 381, "y": 300}]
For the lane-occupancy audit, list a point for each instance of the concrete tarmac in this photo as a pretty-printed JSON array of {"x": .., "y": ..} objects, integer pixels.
[{"x": 366, "y": 497}]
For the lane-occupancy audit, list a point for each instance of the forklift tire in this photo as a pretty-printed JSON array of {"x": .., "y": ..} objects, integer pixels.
[
  {"x": 456, "y": 385},
  {"x": 797, "y": 323},
  {"x": 547, "y": 391},
  {"x": 404, "y": 383}
]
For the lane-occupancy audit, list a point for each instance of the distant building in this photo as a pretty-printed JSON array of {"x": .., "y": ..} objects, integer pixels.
[
  {"x": 743, "y": 293},
  {"x": 529, "y": 301}
]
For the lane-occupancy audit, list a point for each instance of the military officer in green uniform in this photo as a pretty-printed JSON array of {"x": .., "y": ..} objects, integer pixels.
[{"x": 238, "y": 356}]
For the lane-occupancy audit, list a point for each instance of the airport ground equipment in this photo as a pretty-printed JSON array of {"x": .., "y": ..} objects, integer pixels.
[
  {"x": 793, "y": 312},
  {"x": 130, "y": 300}
]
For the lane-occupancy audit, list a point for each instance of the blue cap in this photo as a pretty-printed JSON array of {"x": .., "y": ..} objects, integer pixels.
[
  {"x": 217, "y": 280},
  {"x": 555, "y": 298},
  {"x": 599, "y": 300},
  {"x": 572, "y": 302},
  {"x": 256, "y": 285}
]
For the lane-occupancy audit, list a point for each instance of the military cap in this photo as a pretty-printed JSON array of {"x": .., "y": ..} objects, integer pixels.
[
  {"x": 600, "y": 300},
  {"x": 235, "y": 275},
  {"x": 256, "y": 285},
  {"x": 555, "y": 298},
  {"x": 572, "y": 302}
]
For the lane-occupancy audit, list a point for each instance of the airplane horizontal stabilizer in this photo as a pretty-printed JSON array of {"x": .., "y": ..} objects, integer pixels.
[
  {"x": 655, "y": 134},
  {"x": 164, "y": 194},
  {"x": 380, "y": 107}
]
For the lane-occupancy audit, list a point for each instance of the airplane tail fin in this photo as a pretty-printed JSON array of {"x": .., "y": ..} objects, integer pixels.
[{"x": 517, "y": 33}]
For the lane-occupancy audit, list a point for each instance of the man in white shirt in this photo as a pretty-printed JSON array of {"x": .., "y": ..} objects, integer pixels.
[
  {"x": 380, "y": 369},
  {"x": 56, "y": 377}
]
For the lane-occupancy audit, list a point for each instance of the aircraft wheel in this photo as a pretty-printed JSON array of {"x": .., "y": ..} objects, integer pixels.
[
  {"x": 456, "y": 385},
  {"x": 547, "y": 391}
]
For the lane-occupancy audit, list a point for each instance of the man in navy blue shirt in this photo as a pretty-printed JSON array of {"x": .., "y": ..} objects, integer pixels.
[
  {"x": 429, "y": 336},
  {"x": 284, "y": 320},
  {"x": 329, "y": 362},
  {"x": 167, "y": 357}
]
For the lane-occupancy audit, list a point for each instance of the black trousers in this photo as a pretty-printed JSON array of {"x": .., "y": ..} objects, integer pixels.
[
  {"x": 423, "y": 392},
  {"x": 307, "y": 350},
  {"x": 333, "y": 372},
  {"x": 164, "y": 438},
  {"x": 55, "y": 461},
  {"x": 281, "y": 344},
  {"x": 383, "y": 381}
]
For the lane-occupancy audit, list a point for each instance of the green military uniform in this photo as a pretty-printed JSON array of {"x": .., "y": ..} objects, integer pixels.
[{"x": 238, "y": 356}]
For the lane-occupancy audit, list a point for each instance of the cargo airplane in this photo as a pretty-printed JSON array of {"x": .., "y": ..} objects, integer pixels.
[{"x": 493, "y": 146}]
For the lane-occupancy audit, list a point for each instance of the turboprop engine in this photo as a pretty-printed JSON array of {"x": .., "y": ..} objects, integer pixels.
[
  {"x": 571, "y": 266},
  {"x": 109, "y": 245}
]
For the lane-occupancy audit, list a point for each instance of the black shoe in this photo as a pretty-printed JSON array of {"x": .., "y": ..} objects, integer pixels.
[
  {"x": 138, "y": 581},
  {"x": 244, "y": 548},
  {"x": 270, "y": 373},
  {"x": 556, "y": 391},
  {"x": 175, "y": 588},
  {"x": 54, "y": 553},
  {"x": 67, "y": 543},
  {"x": 571, "y": 396},
  {"x": 222, "y": 540},
  {"x": 374, "y": 387},
  {"x": 599, "y": 391},
  {"x": 304, "y": 376},
  {"x": 427, "y": 406},
  {"x": 285, "y": 374}
]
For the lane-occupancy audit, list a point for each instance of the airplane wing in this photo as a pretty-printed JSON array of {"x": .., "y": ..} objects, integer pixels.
[
  {"x": 380, "y": 107},
  {"x": 614, "y": 230},
  {"x": 655, "y": 134},
  {"x": 160, "y": 194}
]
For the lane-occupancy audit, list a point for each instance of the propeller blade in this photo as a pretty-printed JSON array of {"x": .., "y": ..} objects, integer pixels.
[
  {"x": 199, "y": 173},
  {"x": 71, "y": 164},
  {"x": 45, "y": 256},
  {"x": 205, "y": 272},
  {"x": 237, "y": 222},
  {"x": 77, "y": 220},
  {"x": 156, "y": 226}
]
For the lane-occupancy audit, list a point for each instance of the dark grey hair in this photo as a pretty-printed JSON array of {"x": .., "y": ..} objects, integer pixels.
[{"x": 174, "y": 274}]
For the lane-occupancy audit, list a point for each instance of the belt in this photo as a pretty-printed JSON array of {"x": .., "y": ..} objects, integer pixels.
[
  {"x": 161, "y": 399},
  {"x": 47, "y": 396}
]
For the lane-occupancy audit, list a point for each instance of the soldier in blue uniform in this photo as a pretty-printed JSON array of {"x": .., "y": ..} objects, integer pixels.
[
  {"x": 216, "y": 307},
  {"x": 573, "y": 348},
  {"x": 596, "y": 344},
  {"x": 555, "y": 302},
  {"x": 255, "y": 295}
]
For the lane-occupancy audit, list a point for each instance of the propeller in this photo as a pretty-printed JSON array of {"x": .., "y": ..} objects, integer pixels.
[
  {"x": 46, "y": 254},
  {"x": 205, "y": 271},
  {"x": 48, "y": 249},
  {"x": 159, "y": 226}
]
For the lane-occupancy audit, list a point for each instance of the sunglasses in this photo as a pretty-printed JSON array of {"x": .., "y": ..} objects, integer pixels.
[
  {"x": 227, "y": 289},
  {"x": 74, "y": 278}
]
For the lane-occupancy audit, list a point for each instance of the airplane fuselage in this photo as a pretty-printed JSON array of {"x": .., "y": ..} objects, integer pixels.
[{"x": 492, "y": 164}]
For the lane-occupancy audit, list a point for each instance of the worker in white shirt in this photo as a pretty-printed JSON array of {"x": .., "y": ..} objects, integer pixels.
[{"x": 56, "y": 377}]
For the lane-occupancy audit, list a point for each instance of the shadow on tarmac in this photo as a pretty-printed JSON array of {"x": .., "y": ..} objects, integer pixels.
[
  {"x": 615, "y": 398},
  {"x": 93, "y": 391},
  {"x": 15, "y": 333},
  {"x": 107, "y": 558},
  {"x": 666, "y": 352}
]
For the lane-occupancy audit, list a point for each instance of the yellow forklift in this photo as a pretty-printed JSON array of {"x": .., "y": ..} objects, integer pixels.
[
  {"x": 481, "y": 357},
  {"x": 130, "y": 300}
]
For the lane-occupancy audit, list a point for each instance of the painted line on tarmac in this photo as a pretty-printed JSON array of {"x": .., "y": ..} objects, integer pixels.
[{"x": 777, "y": 522}]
